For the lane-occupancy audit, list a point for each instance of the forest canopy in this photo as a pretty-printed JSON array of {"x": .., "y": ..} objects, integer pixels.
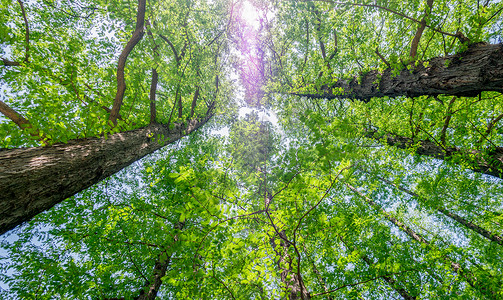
[{"x": 251, "y": 149}]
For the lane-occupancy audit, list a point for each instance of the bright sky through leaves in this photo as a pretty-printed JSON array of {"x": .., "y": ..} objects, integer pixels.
[
  {"x": 251, "y": 14},
  {"x": 212, "y": 150}
]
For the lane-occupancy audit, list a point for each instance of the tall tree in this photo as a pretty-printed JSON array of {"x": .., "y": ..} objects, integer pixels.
[
  {"x": 315, "y": 193},
  {"x": 69, "y": 103},
  {"x": 369, "y": 64}
]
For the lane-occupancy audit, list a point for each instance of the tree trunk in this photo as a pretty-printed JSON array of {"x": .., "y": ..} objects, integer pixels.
[
  {"x": 490, "y": 163},
  {"x": 294, "y": 286},
  {"x": 479, "y": 68},
  {"x": 35, "y": 179},
  {"x": 160, "y": 268}
]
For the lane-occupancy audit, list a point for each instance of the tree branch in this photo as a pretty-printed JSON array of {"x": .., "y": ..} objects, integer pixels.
[
  {"x": 175, "y": 53},
  {"x": 121, "y": 82},
  {"x": 447, "y": 120},
  {"x": 20, "y": 121},
  {"x": 358, "y": 283},
  {"x": 469, "y": 225},
  {"x": 479, "y": 68},
  {"x": 388, "y": 10},
  {"x": 490, "y": 163},
  {"x": 7, "y": 62},
  {"x": 27, "y": 33},
  {"x": 420, "y": 29},
  {"x": 153, "y": 88},
  {"x": 382, "y": 58},
  {"x": 194, "y": 102}
]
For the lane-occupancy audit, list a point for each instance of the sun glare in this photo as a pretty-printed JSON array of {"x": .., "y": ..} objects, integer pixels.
[{"x": 250, "y": 14}]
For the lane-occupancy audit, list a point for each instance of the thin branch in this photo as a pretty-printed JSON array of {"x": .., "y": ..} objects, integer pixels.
[
  {"x": 153, "y": 88},
  {"x": 494, "y": 15},
  {"x": 20, "y": 121},
  {"x": 121, "y": 82},
  {"x": 420, "y": 30},
  {"x": 492, "y": 124},
  {"x": 7, "y": 62},
  {"x": 27, "y": 33},
  {"x": 194, "y": 102},
  {"x": 175, "y": 53},
  {"x": 467, "y": 275},
  {"x": 447, "y": 121},
  {"x": 155, "y": 77},
  {"x": 382, "y": 58},
  {"x": 469, "y": 225},
  {"x": 388, "y": 10},
  {"x": 222, "y": 283},
  {"x": 318, "y": 203},
  {"x": 360, "y": 282}
]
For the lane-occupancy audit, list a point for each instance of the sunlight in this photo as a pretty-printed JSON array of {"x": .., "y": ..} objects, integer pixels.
[{"x": 250, "y": 15}]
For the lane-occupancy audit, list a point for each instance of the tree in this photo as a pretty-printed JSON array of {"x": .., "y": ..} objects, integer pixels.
[
  {"x": 438, "y": 74},
  {"x": 344, "y": 196},
  {"x": 66, "y": 79}
]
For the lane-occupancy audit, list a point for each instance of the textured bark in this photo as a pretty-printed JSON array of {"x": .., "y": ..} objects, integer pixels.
[
  {"x": 35, "y": 179},
  {"x": 479, "y": 68},
  {"x": 121, "y": 81},
  {"x": 489, "y": 162}
]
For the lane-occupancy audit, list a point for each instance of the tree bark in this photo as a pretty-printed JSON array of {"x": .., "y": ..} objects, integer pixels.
[
  {"x": 294, "y": 285},
  {"x": 479, "y": 68},
  {"x": 490, "y": 162},
  {"x": 160, "y": 268},
  {"x": 35, "y": 179}
]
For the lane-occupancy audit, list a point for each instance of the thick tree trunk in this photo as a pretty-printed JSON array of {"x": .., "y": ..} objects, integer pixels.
[
  {"x": 35, "y": 179},
  {"x": 479, "y": 68},
  {"x": 489, "y": 162}
]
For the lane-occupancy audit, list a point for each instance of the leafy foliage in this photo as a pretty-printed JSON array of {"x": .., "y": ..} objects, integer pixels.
[{"x": 316, "y": 205}]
